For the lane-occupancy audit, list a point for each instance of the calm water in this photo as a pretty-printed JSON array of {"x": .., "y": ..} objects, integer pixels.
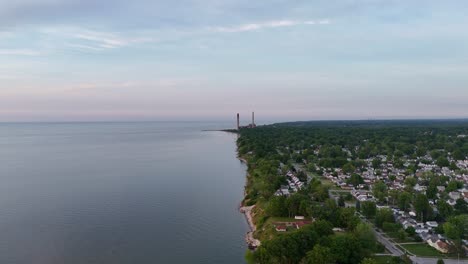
[{"x": 120, "y": 193}]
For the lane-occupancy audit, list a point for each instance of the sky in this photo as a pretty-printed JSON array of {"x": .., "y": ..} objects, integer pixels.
[{"x": 87, "y": 60}]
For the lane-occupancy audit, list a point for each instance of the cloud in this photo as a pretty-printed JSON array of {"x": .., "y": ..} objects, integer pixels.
[
  {"x": 19, "y": 52},
  {"x": 84, "y": 39},
  {"x": 269, "y": 24}
]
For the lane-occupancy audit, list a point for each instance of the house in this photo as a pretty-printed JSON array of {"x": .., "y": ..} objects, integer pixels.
[
  {"x": 451, "y": 202},
  {"x": 432, "y": 224},
  {"x": 443, "y": 246},
  {"x": 454, "y": 195},
  {"x": 281, "y": 228},
  {"x": 440, "y": 244}
]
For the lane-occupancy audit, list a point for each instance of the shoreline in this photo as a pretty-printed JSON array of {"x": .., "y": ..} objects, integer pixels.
[{"x": 252, "y": 243}]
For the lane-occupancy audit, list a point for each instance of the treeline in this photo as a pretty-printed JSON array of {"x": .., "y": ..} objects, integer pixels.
[
  {"x": 318, "y": 244},
  {"x": 363, "y": 140}
]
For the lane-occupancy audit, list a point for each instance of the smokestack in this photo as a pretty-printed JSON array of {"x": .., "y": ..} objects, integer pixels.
[
  {"x": 253, "y": 119},
  {"x": 238, "y": 126}
]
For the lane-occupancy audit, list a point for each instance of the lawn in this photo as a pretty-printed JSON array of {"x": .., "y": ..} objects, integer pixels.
[
  {"x": 383, "y": 259},
  {"x": 423, "y": 250}
]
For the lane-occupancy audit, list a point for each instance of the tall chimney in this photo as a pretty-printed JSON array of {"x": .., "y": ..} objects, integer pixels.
[
  {"x": 253, "y": 119},
  {"x": 238, "y": 126}
]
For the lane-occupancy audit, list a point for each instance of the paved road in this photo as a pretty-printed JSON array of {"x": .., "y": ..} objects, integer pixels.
[
  {"x": 388, "y": 244},
  {"x": 420, "y": 260},
  {"x": 395, "y": 251}
]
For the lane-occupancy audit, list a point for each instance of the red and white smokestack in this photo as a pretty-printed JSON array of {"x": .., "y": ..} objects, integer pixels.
[{"x": 238, "y": 123}]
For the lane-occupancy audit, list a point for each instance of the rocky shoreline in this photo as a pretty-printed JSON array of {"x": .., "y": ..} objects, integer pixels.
[{"x": 252, "y": 242}]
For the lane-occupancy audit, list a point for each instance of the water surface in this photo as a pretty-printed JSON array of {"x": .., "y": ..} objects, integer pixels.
[{"x": 120, "y": 193}]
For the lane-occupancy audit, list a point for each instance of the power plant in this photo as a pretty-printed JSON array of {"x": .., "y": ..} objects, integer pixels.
[{"x": 251, "y": 125}]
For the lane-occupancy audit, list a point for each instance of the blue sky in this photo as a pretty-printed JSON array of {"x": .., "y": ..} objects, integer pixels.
[{"x": 207, "y": 60}]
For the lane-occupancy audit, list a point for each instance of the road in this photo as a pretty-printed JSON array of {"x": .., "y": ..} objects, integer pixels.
[
  {"x": 420, "y": 260},
  {"x": 395, "y": 251}
]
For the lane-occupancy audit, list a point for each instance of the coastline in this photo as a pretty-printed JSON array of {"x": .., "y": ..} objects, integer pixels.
[{"x": 252, "y": 242}]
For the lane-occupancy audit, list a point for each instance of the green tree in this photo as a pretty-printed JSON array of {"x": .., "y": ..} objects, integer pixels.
[
  {"x": 440, "y": 261},
  {"x": 442, "y": 162},
  {"x": 348, "y": 168},
  {"x": 401, "y": 234},
  {"x": 347, "y": 249},
  {"x": 366, "y": 236},
  {"x": 431, "y": 191},
  {"x": 422, "y": 207},
  {"x": 411, "y": 231},
  {"x": 341, "y": 201},
  {"x": 461, "y": 207},
  {"x": 458, "y": 155},
  {"x": 276, "y": 207},
  {"x": 404, "y": 201},
  {"x": 452, "y": 186},
  {"x": 411, "y": 181},
  {"x": 384, "y": 215},
  {"x": 355, "y": 179},
  {"x": 319, "y": 255},
  {"x": 376, "y": 163},
  {"x": 444, "y": 209},
  {"x": 380, "y": 191},
  {"x": 368, "y": 209},
  {"x": 456, "y": 228}
]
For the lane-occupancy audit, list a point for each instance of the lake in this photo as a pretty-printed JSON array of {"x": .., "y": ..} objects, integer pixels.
[{"x": 162, "y": 192}]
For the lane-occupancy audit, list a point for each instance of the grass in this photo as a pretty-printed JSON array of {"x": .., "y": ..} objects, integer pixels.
[
  {"x": 423, "y": 250},
  {"x": 394, "y": 236},
  {"x": 382, "y": 259},
  {"x": 267, "y": 230}
]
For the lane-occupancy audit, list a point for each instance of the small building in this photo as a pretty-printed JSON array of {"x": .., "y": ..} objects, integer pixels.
[{"x": 281, "y": 228}]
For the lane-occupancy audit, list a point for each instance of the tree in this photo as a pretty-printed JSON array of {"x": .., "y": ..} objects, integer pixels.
[
  {"x": 461, "y": 207},
  {"x": 319, "y": 255},
  {"x": 411, "y": 231},
  {"x": 442, "y": 162},
  {"x": 440, "y": 261},
  {"x": 401, "y": 234},
  {"x": 341, "y": 201},
  {"x": 457, "y": 227},
  {"x": 411, "y": 181},
  {"x": 404, "y": 201},
  {"x": 347, "y": 249},
  {"x": 458, "y": 155},
  {"x": 452, "y": 186},
  {"x": 380, "y": 191},
  {"x": 431, "y": 191},
  {"x": 384, "y": 215},
  {"x": 355, "y": 179},
  {"x": 276, "y": 206},
  {"x": 348, "y": 168},
  {"x": 376, "y": 163},
  {"x": 366, "y": 236},
  {"x": 444, "y": 209},
  {"x": 422, "y": 207},
  {"x": 368, "y": 209}
]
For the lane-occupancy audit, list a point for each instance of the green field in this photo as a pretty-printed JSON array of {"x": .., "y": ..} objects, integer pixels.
[
  {"x": 383, "y": 259},
  {"x": 423, "y": 250}
]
